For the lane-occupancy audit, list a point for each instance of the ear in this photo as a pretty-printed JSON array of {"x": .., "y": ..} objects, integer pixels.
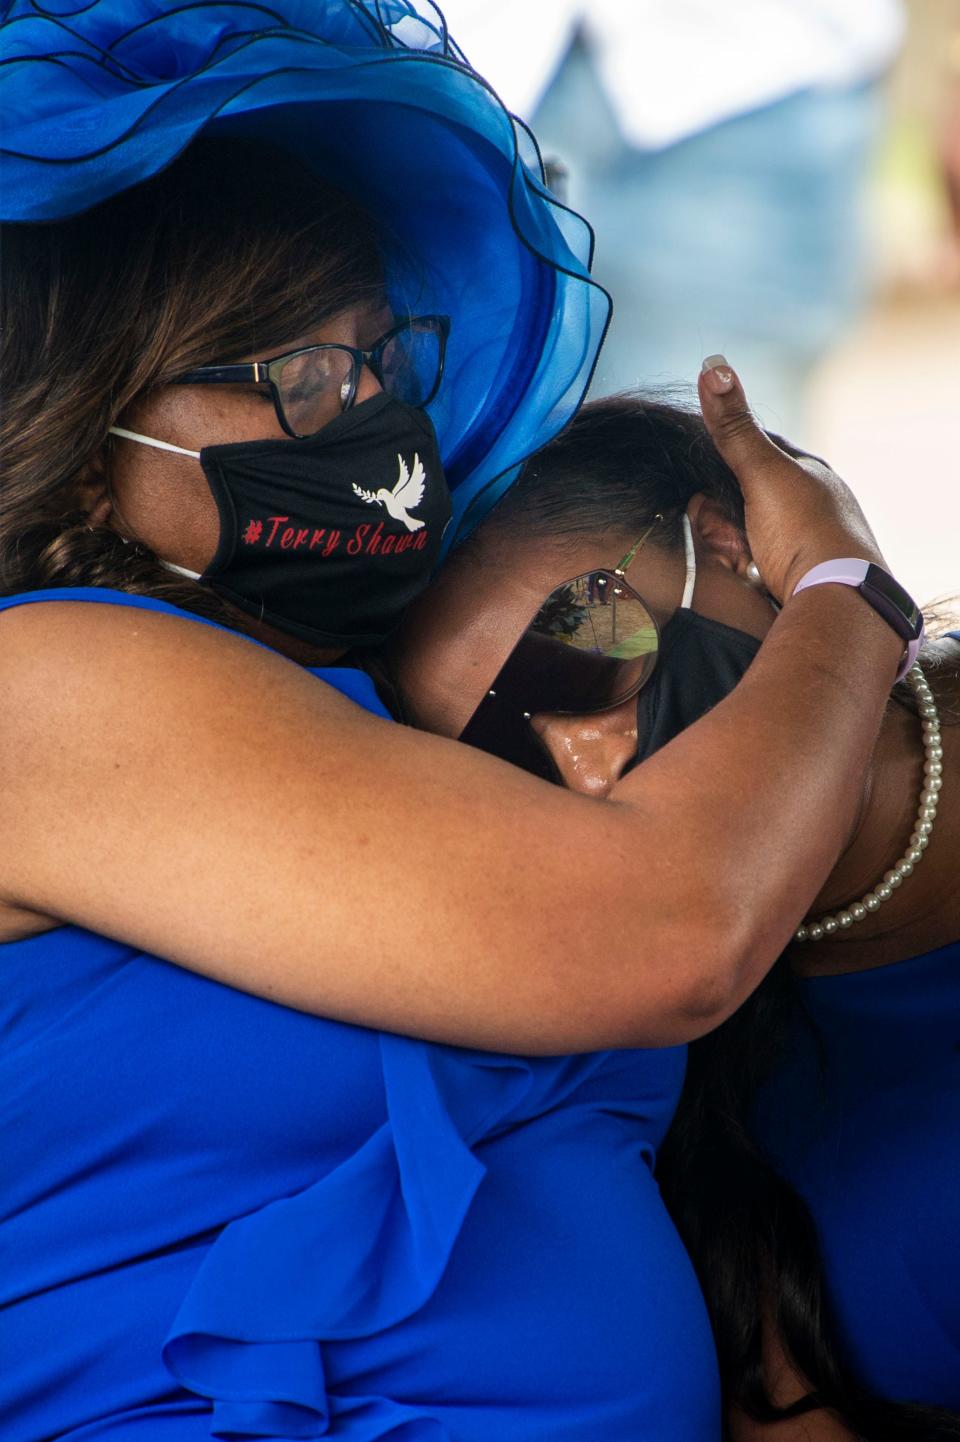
[
  {"x": 716, "y": 537},
  {"x": 92, "y": 491}
]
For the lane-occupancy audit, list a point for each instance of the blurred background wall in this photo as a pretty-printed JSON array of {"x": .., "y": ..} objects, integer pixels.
[
  {"x": 885, "y": 404},
  {"x": 777, "y": 180}
]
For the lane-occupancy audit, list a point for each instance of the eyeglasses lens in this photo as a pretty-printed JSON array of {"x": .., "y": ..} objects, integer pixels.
[
  {"x": 410, "y": 363},
  {"x": 314, "y": 388}
]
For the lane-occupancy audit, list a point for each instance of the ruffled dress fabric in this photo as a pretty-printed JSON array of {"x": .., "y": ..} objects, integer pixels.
[
  {"x": 226, "y": 1219},
  {"x": 374, "y": 95},
  {"x": 862, "y": 1117}
]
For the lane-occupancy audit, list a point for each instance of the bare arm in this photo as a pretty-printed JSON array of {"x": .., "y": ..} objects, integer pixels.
[
  {"x": 258, "y": 828},
  {"x": 185, "y": 791}
]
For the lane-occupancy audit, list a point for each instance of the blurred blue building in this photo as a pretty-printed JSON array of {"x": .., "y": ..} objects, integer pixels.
[{"x": 720, "y": 154}]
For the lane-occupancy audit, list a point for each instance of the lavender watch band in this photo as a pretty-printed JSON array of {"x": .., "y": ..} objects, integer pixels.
[{"x": 881, "y": 591}]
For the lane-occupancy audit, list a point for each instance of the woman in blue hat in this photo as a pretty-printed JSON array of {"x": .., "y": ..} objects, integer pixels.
[{"x": 281, "y": 295}]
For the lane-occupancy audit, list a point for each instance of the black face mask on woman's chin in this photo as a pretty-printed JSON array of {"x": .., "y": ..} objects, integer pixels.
[
  {"x": 700, "y": 662},
  {"x": 330, "y": 538}
]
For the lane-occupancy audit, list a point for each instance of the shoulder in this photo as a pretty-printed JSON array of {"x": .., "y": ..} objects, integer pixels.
[
  {"x": 86, "y": 629},
  {"x": 947, "y": 648},
  {"x": 77, "y": 607},
  {"x": 48, "y": 649},
  {"x": 127, "y": 734},
  {"x": 74, "y": 672}
]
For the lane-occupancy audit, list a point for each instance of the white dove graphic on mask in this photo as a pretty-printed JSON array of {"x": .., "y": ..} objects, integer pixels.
[{"x": 405, "y": 496}]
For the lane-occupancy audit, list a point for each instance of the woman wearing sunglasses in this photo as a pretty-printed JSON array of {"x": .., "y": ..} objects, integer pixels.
[
  {"x": 241, "y": 1201},
  {"x": 813, "y": 1165}
]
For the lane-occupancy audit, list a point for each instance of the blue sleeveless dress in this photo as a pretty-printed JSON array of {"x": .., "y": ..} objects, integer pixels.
[
  {"x": 862, "y": 1117},
  {"x": 223, "y": 1218}
]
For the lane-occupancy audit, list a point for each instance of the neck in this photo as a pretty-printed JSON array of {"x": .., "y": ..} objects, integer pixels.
[
  {"x": 924, "y": 912},
  {"x": 304, "y": 653}
]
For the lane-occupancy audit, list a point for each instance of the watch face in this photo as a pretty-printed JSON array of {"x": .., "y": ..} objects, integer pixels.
[{"x": 893, "y": 602}]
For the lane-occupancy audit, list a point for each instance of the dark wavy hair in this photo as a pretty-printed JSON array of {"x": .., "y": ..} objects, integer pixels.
[
  {"x": 235, "y": 248},
  {"x": 750, "y": 1236}
]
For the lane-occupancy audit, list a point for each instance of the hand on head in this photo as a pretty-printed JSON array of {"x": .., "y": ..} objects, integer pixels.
[
  {"x": 624, "y": 468},
  {"x": 799, "y": 512}
]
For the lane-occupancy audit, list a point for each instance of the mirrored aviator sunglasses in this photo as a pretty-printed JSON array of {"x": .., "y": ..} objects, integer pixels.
[{"x": 592, "y": 645}]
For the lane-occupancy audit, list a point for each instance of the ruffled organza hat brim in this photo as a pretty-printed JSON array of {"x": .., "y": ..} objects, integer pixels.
[{"x": 375, "y": 97}]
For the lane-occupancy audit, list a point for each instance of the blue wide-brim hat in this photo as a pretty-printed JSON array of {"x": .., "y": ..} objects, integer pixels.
[{"x": 375, "y": 96}]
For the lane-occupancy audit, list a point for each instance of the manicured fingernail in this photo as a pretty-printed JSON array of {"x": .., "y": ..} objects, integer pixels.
[{"x": 717, "y": 373}]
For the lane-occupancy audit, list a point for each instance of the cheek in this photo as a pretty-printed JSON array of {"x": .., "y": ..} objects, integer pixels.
[
  {"x": 442, "y": 686},
  {"x": 163, "y": 499},
  {"x": 449, "y": 649},
  {"x": 165, "y": 502}
]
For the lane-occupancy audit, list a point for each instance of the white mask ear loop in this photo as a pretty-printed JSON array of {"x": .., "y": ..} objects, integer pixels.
[
  {"x": 149, "y": 441},
  {"x": 691, "y": 556},
  {"x": 180, "y": 570}
]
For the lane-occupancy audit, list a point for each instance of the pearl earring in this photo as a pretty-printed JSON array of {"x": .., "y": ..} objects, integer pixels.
[{"x": 753, "y": 575}]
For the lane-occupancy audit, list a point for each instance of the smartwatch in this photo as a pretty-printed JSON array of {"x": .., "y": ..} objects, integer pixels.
[{"x": 879, "y": 590}]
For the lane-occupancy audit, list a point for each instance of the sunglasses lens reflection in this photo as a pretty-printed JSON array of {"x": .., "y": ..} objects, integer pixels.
[
  {"x": 600, "y": 639},
  {"x": 592, "y": 645}
]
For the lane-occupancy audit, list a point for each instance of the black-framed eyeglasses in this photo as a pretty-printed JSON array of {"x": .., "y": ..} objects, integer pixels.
[
  {"x": 592, "y": 645},
  {"x": 312, "y": 386}
]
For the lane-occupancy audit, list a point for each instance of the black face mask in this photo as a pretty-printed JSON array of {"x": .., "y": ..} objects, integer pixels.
[
  {"x": 700, "y": 662},
  {"x": 332, "y": 537}
]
